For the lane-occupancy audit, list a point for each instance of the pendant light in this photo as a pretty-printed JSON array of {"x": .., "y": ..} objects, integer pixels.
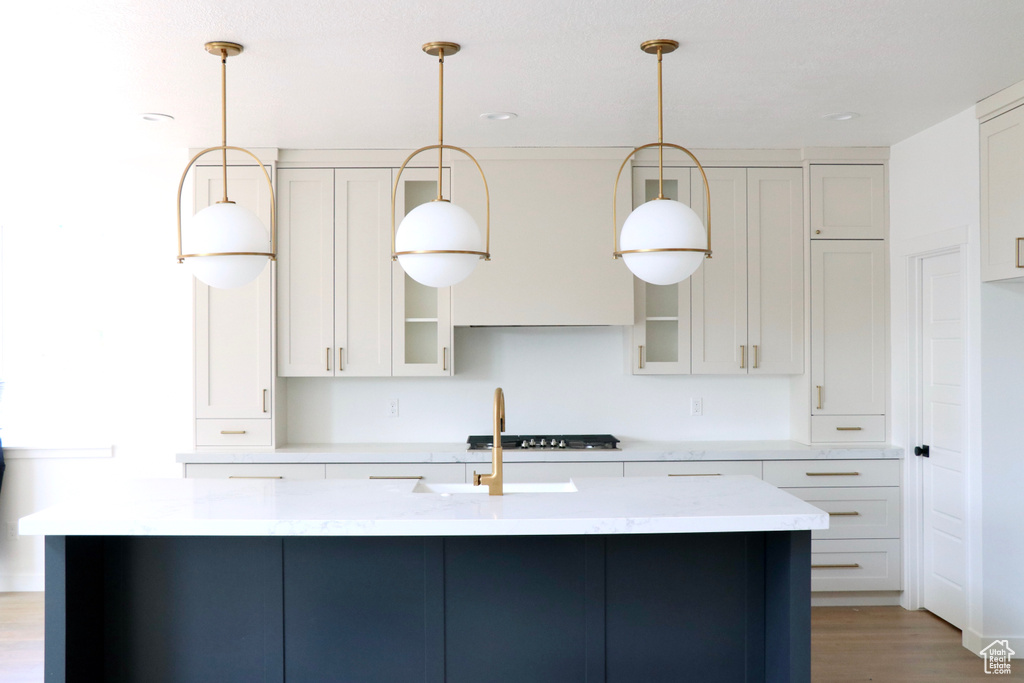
[
  {"x": 226, "y": 245},
  {"x": 663, "y": 241},
  {"x": 438, "y": 243}
]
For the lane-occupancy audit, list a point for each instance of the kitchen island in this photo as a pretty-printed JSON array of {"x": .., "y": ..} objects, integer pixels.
[{"x": 652, "y": 579}]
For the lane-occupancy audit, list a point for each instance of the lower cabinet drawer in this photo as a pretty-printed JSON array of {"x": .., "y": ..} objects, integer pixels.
[
  {"x": 693, "y": 468},
  {"x": 856, "y": 512},
  {"x": 847, "y": 428},
  {"x": 261, "y": 471},
  {"x": 524, "y": 472},
  {"x": 439, "y": 473},
  {"x": 819, "y": 473},
  {"x": 220, "y": 432},
  {"x": 855, "y": 565}
]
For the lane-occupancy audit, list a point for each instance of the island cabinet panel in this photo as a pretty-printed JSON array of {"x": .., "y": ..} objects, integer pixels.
[{"x": 484, "y": 609}]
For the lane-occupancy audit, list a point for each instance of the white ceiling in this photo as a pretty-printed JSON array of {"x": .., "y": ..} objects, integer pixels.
[{"x": 350, "y": 73}]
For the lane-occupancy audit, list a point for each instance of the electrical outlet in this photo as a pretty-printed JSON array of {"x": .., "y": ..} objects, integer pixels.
[
  {"x": 392, "y": 407},
  {"x": 696, "y": 406},
  {"x": 12, "y": 529}
]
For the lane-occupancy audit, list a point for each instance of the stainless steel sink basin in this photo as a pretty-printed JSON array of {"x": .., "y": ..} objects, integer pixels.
[{"x": 541, "y": 487}]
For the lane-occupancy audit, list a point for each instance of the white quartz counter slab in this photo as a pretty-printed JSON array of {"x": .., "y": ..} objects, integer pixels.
[
  {"x": 218, "y": 507},
  {"x": 456, "y": 452}
]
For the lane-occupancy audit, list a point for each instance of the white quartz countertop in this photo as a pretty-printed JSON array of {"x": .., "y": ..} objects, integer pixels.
[
  {"x": 339, "y": 507},
  {"x": 456, "y": 452}
]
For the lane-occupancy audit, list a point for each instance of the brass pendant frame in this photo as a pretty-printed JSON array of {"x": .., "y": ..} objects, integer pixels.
[
  {"x": 224, "y": 49},
  {"x": 440, "y": 49},
  {"x": 659, "y": 47}
]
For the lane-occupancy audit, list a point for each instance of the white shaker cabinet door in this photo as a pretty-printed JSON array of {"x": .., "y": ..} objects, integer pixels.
[
  {"x": 1002, "y": 196},
  {"x": 848, "y": 201},
  {"x": 305, "y": 272},
  {"x": 362, "y": 272},
  {"x": 719, "y": 287},
  {"x": 848, "y": 314},
  {"x": 775, "y": 271},
  {"x": 233, "y": 327}
]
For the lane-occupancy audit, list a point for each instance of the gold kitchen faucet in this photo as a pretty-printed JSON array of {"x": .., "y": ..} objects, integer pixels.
[{"x": 494, "y": 479}]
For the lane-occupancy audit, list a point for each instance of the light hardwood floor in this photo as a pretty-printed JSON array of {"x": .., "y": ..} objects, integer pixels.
[{"x": 848, "y": 644}]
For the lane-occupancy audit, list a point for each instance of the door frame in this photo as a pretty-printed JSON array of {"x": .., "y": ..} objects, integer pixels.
[{"x": 908, "y": 257}]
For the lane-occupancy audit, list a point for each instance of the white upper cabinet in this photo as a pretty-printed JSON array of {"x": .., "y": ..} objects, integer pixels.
[
  {"x": 421, "y": 316},
  {"x": 719, "y": 287},
  {"x": 848, "y": 318},
  {"x": 334, "y": 282},
  {"x": 1002, "y": 196},
  {"x": 551, "y": 241},
  {"x": 661, "y": 326},
  {"x": 848, "y": 201},
  {"x": 775, "y": 271},
  {"x": 233, "y": 327}
]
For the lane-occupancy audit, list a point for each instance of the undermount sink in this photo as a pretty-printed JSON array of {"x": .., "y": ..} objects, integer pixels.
[{"x": 543, "y": 487}]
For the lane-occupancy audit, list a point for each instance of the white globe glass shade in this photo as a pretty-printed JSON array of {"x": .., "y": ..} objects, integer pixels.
[
  {"x": 662, "y": 224},
  {"x": 437, "y": 226},
  {"x": 225, "y": 228}
]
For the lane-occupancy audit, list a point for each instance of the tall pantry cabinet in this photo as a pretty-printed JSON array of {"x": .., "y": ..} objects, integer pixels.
[
  {"x": 849, "y": 303},
  {"x": 234, "y": 356}
]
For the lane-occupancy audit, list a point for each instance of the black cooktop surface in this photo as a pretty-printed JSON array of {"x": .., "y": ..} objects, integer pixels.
[{"x": 571, "y": 442}]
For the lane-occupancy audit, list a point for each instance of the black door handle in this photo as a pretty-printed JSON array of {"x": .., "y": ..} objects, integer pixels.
[{"x": 921, "y": 450}]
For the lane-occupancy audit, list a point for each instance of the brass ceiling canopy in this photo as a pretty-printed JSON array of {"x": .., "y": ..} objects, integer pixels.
[
  {"x": 651, "y": 46},
  {"x": 435, "y": 48},
  {"x": 223, "y": 48}
]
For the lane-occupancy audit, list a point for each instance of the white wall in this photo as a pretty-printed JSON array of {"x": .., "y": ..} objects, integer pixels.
[
  {"x": 566, "y": 380},
  {"x": 934, "y": 203},
  {"x": 119, "y": 204}
]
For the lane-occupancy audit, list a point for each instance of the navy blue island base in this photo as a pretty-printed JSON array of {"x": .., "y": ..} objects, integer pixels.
[{"x": 623, "y": 608}]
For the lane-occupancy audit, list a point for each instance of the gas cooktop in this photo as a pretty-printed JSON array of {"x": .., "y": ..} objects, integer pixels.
[{"x": 546, "y": 442}]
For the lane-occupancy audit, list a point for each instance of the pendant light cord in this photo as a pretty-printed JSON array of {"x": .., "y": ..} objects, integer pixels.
[
  {"x": 440, "y": 119},
  {"x": 224, "y": 117}
]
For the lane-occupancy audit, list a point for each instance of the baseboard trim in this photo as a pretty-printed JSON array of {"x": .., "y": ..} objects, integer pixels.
[
  {"x": 22, "y": 583},
  {"x": 975, "y": 642},
  {"x": 855, "y": 598}
]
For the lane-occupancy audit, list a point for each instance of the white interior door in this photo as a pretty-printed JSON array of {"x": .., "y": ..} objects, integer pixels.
[{"x": 943, "y": 430}]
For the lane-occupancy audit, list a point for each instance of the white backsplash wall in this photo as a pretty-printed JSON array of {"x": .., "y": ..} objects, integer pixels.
[{"x": 556, "y": 379}]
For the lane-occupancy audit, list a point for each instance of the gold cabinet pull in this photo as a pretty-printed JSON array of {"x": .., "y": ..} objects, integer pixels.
[
  {"x": 641, "y": 356},
  {"x": 396, "y": 476},
  {"x": 239, "y": 476},
  {"x": 444, "y": 359},
  {"x": 743, "y": 356},
  {"x": 852, "y": 565},
  {"x": 264, "y": 400},
  {"x": 1019, "y": 241},
  {"x": 341, "y": 360},
  {"x": 819, "y": 396},
  {"x": 832, "y": 474},
  {"x": 709, "y": 474},
  {"x": 232, "y": 431},
  {"x": 844, "y": 514},
  {"x": 756, "y": 363},
  {"x": 328, "y": 359},
  {"x": 849, "y": 429}
]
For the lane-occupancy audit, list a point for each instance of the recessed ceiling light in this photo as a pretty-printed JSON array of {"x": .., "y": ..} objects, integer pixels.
[
  {"x": 841, "y": 116},
  {"x": 156, "y": 118},
  {"x": 499, "y": 115}
]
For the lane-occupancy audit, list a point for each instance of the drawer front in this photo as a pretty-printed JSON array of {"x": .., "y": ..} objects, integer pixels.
[
  {"x": 858, "y": 565},
  {"x": 524, "y": 472},
  {"x": 692, "y": 468},
  {"x": 819, "y": 473},
  {"x": 221, "y": 432},
  {"x": 439, "y": 473},
  {"x": 262, "y": 471},
  {"x": 856, "y": 512},
  {"x": 847, "y": 428}
]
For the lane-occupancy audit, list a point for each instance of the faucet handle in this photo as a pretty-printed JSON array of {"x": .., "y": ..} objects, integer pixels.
[{"x": 476, "y": 478}]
